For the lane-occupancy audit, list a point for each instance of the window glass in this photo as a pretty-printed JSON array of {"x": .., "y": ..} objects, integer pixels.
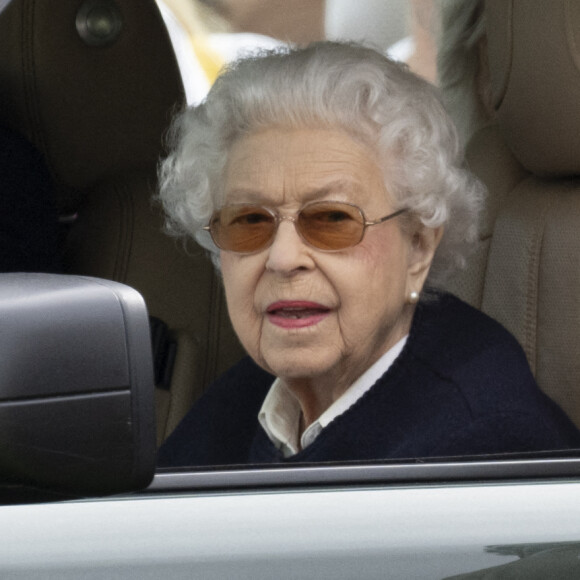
[{"x": 250, "y": 219}]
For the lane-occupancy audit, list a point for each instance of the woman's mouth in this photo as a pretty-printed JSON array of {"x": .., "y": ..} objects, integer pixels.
[{"x": 296, "y": 313}]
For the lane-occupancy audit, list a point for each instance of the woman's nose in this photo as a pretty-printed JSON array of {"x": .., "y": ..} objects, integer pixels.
[{"x": 288, "y": 252}]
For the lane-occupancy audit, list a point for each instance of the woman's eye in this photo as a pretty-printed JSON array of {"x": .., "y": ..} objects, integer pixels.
[
  {"x": 332, "y": 216},
  {"x": 251, "y": 219}
]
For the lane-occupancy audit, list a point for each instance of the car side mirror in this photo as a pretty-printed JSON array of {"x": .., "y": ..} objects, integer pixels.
[{"x": 76, "y": 384}]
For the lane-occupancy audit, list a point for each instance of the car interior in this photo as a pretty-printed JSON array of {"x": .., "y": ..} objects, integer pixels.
[
  {"x": 527, "y": 269},
  {"x": 93, "y": 84}
]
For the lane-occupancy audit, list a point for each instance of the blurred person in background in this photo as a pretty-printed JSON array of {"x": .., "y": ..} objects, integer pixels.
[{"x": 207, "y": 34}]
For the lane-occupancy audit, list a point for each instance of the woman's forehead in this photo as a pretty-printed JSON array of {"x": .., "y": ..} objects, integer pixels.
[{"x": 305, "y": 163}]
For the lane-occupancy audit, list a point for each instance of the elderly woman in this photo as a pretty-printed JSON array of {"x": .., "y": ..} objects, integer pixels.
[{"x": 327, "y": 184}]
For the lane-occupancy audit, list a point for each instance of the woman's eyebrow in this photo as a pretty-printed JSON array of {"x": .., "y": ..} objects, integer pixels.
[{"x": 342, "y": 187}]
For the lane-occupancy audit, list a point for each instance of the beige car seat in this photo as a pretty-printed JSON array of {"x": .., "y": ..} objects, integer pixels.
[
  {"x": 93, "y": 84},
  {"x": 526, "y": 273}
]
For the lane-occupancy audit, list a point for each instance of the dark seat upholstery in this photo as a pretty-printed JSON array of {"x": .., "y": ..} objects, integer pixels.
[
  {"x": 28, "y": 216},
  {"x": 97, "y": 109}
]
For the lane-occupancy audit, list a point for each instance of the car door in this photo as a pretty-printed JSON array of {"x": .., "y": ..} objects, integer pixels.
[{"x": 437, "y": 520}]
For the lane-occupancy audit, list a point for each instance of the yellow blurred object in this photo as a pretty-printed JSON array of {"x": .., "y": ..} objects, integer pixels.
[{"x": 209, "y": 60}]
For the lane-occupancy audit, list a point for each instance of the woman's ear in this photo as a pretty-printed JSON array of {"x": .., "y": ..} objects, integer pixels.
[{"x": 424, "y": 242}]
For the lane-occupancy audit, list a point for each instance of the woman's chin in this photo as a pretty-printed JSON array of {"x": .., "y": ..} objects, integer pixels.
[{"x": 299, "y": 364}]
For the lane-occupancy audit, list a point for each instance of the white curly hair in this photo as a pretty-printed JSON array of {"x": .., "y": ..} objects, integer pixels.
[{"x": 327, "y": 85}]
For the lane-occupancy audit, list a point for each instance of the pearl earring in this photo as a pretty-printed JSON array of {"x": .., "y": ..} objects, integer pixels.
[{"x": 413, "y": 297}]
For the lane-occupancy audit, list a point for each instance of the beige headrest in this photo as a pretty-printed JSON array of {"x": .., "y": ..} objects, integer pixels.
[
  {"x": 534, "y": 57},
  {"x": 93, "y": 108}
]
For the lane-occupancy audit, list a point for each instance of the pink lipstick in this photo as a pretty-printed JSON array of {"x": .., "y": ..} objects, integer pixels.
[{"x": 296, "y": 313}]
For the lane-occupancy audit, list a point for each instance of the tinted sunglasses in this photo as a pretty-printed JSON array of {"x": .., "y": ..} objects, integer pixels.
[{"x": 325, "y": 225}]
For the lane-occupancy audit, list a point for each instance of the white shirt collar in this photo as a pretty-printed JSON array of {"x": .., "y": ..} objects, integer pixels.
[{"x": 280, "y": 413}]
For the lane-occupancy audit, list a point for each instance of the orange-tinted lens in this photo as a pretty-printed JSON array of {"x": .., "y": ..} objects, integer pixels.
[
  {"x": 331, "y": 225},
  {"x": 242, "y": 228}
]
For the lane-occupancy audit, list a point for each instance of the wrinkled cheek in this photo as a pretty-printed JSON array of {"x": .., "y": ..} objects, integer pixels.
[
  {"x": 241, "y": 313},
  {"x": 247, "y": 325},
  {"x": 353, "y": 331},
  {"x": 369, "y": 317}
]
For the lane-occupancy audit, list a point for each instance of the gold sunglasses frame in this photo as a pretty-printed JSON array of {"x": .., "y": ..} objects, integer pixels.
[{"x": 280, "y": 218}]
